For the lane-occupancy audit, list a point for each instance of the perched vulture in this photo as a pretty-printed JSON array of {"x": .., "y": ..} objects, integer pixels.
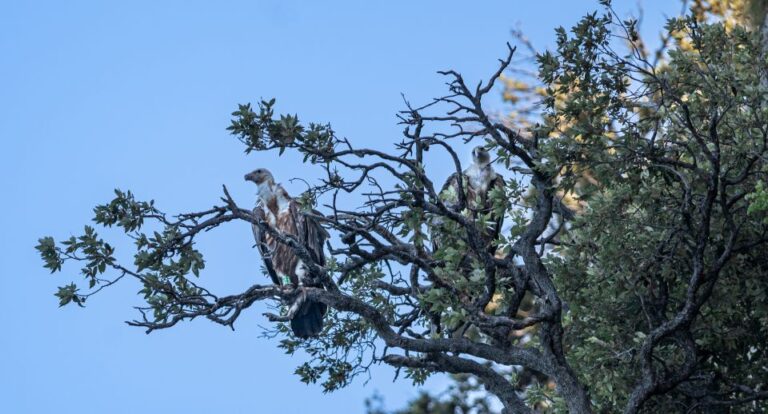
[
  {"x": 284, "y": 267},
  {"x": 477, "y": 181}
]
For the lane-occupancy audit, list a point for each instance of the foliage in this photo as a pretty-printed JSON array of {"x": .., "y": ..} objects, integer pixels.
[{"x": 653, "y": 243}]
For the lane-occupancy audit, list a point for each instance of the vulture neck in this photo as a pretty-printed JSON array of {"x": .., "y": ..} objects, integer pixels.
[
  {"x": 266, "y": 191},
  {"x": 480, "y": 175}
]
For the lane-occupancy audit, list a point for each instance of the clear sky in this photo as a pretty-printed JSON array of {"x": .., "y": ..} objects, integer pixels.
[{"x": 137, "y": 95}]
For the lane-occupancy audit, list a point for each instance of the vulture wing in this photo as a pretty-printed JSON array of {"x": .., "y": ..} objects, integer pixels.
[
  {"x": 450, "y": 191},
  {"x": 310, "y": 233},
  {"x": 308, "y": 320},
  {"x": 497, "y": 215},
  {"x": 450, "y": 195},
  {"x": 261, "y": 244}
]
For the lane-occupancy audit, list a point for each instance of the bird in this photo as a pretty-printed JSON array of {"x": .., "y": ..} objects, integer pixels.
[
  {"x": 284, "y": 214},
  {"x": 477, "y": 182}
]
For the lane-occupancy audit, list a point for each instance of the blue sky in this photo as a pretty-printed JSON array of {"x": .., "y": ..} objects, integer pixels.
[{"x": 137, "y": 95}]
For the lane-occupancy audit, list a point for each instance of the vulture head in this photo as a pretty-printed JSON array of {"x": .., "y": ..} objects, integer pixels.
[
  {"x": 260, "y": 176},
  {"x": 480, "y": 156}
]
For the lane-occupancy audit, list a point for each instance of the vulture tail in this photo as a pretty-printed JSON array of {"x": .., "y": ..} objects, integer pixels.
[{"x": 308, "y": 321}]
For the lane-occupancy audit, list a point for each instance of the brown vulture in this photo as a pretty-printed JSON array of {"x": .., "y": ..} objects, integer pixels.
[
  {"x": 284, "y": 267},
  {"x": 478, "y": 180}
]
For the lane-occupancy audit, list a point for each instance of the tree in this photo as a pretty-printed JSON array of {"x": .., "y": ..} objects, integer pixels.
[
  {"x": 464, "y": 396},
  {"x": 652, "y": 298}
]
